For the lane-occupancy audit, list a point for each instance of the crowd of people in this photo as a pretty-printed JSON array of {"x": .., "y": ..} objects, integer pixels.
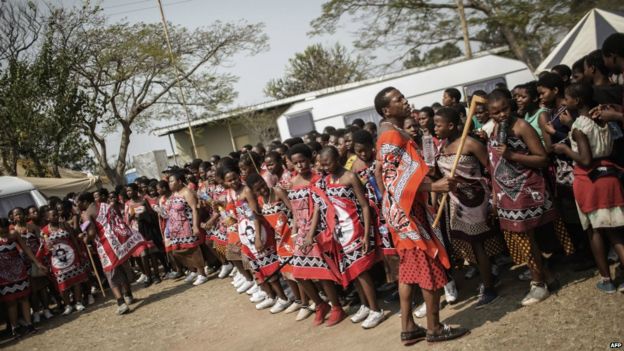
[{"x": 305, "y": 224}]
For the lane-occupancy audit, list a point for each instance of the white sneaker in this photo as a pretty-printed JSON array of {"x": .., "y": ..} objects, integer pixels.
[
  {"x": 373, "y": 319},
  {"x": 129, "y": 300},
  {"x": 268, "y": 302},
  {"x": 258, "y": 296},
  {"x": 226, "y": 269},
  {"x": 535, "y": 295},
  {"x": 304, "y": 312},
  {"x": 247, "y": 284},
  {"x": 122, "y": 309},
  {"x": 254, "y": 289},
  {"x": 47, "y": 314},
  {"x": 93, "y": 290},
  {"x": 90, "y": 300},
  {"x": 361, "y": 314},
  {"x": 280, "y": 305},
  {"x": 190, "y": 277},
  {"x": 421, "y": 311},
  {"x": 201, "y": 279},
  {"x": 142, "y": 279},
  {"x": 208, "y": 270},
  {"x": 68, "y": 310},
  {"x": 174, "y": 275},
  {"x": 233, "y": 272},
  {"x": 79, "y": 307},
  {"x": 238, "y": 280},
  {"x": 450, "y": 292},
  {"x": 294, "y": 307},
  {"x": 36, "y": 317}
]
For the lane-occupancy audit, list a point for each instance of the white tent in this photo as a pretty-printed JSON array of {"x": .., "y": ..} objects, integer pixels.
[{"x": 586, "y": 36}]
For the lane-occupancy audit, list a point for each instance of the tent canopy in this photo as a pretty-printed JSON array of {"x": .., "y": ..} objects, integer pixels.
[
  {"x": 586, "y": 36},
  {"x": 62, "y": 186}
]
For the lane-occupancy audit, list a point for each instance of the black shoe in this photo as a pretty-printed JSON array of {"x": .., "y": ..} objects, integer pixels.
[
  {"x": 30, "y": 330},
  {"x": 17, "y": 332},
  {"x": 583, "y": 265},
  {"x": 147, "y": 283},
  {"x": 487, "y": 297},
  {"x": 156, "y": 280},
  {"x": 447, "y": 333},
  {"x": 553, "y": 285},
  {"x": 411, "y": 337},
  {"x": 387, "y": 287},
  {"x": 393, "y": 297}
]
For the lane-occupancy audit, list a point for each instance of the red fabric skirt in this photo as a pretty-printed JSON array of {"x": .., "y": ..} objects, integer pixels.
[
  {"x": 14, "y": 279},
  {"x": 605, "y": 192},
  {"x": 415, "y": 267}
]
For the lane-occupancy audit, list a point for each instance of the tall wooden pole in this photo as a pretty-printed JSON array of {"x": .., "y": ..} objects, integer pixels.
[
  {"x": 178, "y": 77},
  {"x": 464, "y": 24}
]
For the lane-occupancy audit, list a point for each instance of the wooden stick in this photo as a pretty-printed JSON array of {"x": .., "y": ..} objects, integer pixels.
[
  {"x": 473, "y": 106},
  {"x": 97, "y": 275}
]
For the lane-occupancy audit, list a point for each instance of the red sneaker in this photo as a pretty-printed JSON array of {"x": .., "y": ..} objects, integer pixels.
[
  {"x": 321, "y": 311},
  {"x": 336, "y": 315}
]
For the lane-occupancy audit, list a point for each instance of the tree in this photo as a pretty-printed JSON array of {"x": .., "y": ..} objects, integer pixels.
[
  {"x": 63, "y": 106},
  {"x": 126, "y": 70},
  {"x": 317, "y": 68},
  {"x": 262, "y": 125},
  {"x": 529, "y": 27},
  {"x": 435, "y": 55},
  {"x": 40, "y": 103}
]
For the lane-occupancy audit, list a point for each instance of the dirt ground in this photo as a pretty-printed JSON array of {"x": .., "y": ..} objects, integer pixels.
[{"x": 177, "y": 316}]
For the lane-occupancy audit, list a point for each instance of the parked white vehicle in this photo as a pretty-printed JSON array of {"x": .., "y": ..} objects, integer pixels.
[{"x": 16, "y": 192}]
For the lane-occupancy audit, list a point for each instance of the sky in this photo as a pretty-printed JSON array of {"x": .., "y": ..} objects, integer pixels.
[{"x": 286, "y": 24}]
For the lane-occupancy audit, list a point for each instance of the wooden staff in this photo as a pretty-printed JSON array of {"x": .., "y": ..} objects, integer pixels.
[
  {"x": 97, "y": 275},
  {"x": 473, "y": 106}
]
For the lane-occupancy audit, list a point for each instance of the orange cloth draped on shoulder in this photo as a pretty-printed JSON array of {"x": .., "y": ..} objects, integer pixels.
[{"x": 403, "y": 171}]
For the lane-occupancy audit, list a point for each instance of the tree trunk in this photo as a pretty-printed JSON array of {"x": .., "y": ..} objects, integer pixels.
[
  {"x": 114, "y": 177},
  {"x": 120, "y": 167},
  {"x": 55, "y": 171},
  {"x": 516, "y": 47},
  {"x": 510, "y": 37},
  {"x": 39, "y": 170}
]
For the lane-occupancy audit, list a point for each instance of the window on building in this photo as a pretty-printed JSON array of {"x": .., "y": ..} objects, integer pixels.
[
  {"x": 486, "y": 85},
  {"x": 300, "y": 124},
  {"x": 369, "y": 115}
]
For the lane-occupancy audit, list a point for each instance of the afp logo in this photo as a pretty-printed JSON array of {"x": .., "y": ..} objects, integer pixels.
[{"x": 615, "y": 345}]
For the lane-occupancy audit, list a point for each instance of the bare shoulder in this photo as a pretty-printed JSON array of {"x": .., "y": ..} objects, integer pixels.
[
  {"x": 349, "y": 177},
  {"x": 474, "y": 144},
  {"x": 296, "y": 180},
  {"x": 247, "y": 192},
  {"x": 279, "y": 192},
  {"x": 91, "y": 211}
]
